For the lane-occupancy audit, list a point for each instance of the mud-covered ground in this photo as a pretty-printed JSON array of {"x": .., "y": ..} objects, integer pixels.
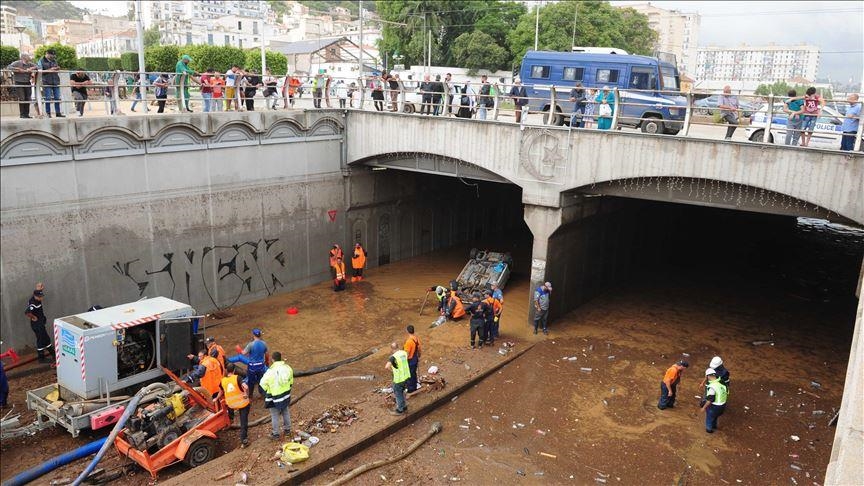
[{"x": 600, "y": 425}]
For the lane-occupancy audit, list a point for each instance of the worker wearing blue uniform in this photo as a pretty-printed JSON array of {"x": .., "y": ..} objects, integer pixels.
[{"x": 255, "y": 357}]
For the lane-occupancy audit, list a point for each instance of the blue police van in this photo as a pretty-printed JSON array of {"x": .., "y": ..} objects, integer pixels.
[{"x": 649, "y": 87}]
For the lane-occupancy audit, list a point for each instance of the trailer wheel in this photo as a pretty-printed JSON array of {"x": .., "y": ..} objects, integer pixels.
[
  {"x": 201, "y": 451},
  {"x": 473, "y": 253}
]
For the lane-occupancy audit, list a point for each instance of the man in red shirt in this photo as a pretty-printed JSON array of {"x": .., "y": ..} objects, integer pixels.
[{"x": 669, "y": 385}]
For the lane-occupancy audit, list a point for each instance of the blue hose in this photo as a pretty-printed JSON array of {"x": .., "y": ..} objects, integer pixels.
[
  {"x": 51, "y": 464},
  {"x": 130, "y": 407}
]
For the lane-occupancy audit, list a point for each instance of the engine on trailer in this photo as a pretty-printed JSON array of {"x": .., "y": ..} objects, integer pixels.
[
  {"x": 157, "y": 424},
  {"x": 136, "y": 351}
]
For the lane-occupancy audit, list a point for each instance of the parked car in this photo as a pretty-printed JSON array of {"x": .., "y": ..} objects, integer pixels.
[
  {"x": 826, "y": 135},
  {"x": 708, "y": 106}
]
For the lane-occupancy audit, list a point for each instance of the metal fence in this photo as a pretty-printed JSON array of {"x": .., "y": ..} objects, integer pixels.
[{"x": 662, "y": 113}]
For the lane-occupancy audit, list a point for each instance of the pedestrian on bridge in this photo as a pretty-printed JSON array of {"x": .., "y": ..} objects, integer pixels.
[
  {"x": 728, "y": 105},
  {"x": 605, "y": 108},
  {"x": 669, "y": 385}
]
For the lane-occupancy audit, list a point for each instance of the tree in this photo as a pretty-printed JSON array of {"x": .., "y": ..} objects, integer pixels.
[
  {"x": 597, "y": 24},
  {"x": 161, "y": 58},
  {"x": 94, "y": 63},
  {"x": 220, "y": 58},
  {"x": 8, "y": 55},
  {"x": 152, "y": 37},
  {"x": 66, "y": 57},
  {"x": 446, "y": 19},
  {"x": 478, "y": 50},
  {"x": 129, "y": 61},
  {"x": 277, "y": 63},
  {"x": 115, "y": 64}
]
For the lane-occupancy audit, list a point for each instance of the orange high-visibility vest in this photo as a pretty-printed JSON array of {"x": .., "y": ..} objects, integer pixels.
[
  {"x": 358, "y": 261},
  {"x": 213, "y": 376},
  {"x": 219, "y": 351},
  {"x": 334, "y": 254},
  {"x": 340, "y": 270},
  {"x": 234, "y": 396},
  {"x": 459, "y": 310}
]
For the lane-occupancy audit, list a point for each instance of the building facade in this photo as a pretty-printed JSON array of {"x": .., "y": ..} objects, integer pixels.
[
  {"x": 677, "y": 33},
  {"x": 8, "y": 19},
  {"x": 111, "y": 45},
  {"x": 750, "y": 66}
]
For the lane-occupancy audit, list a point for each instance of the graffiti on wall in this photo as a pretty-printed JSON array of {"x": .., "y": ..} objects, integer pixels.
[{"x": 246, "y": 267}]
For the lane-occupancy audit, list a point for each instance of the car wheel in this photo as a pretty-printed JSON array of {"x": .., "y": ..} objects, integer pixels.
[
  {"x": 757, "y": 135},
  {"x": 202, "y": 450},
  {"x": 652, "y": 124},
  {"x": 704, "y": 111},
  {"x": 408, "y": 108}
]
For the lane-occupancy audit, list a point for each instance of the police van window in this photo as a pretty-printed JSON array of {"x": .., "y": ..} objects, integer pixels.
[
  {"x": 670, "y": 81},
  {"x": 607, "y": 76},
  {"x": 573, "y": 73},
  {"x": 642, "y": 79},
  {"x": 540, "y": 72}
]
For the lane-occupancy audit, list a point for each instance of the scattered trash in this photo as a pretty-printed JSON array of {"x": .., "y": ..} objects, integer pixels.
[
  {"x": 454, "y": 478},
  {"x": 746, "y": 407},
  {"x": 793, "y": 481},
  {"x": 520, "y": 472},
  {"x": 244, "y": 477},
  {"x": 464, "y": 427},
  {"x": 454, "y": 398},
  {"x": 383, "y": 478},
  {"x": 433, "y": 370},
  {"x": 495, "y": 417},
  {"x": 503, "y": 351},
  {"x": 796, "y": 467},
  {"x": 541, "y": 432},
  {"x": 770, "y": 393},
  {"x": 793, "y": 456},
  {"x": 815, "y": 385},
  {"x": 762, "y": 343},
  {"x": 331, "y": 419},
  {"x": 817, "y": 413},
  {"x": 467, "y": 367},
  {"x": 795, "y": 438},
  {"x": 223, "y": 476},
  {"x": 526, "y": 451},
  {"x": 686, "y": 355},
  {"x": 572, "y": 358},
  {"x": 551, "y": 456},
  {"x": 386, "y": 390},
  {"x": 610, "y": 358},
  {"x": 521, "y": 426},
  {"x": 539, "y": 473},
  {"x": 586, "y": 370},
  {"x": 598, "y": 480},
  {"x": 605, "y": 402}
]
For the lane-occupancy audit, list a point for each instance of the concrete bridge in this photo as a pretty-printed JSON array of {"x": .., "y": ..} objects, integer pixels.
[{"x": 219, "y": 209}]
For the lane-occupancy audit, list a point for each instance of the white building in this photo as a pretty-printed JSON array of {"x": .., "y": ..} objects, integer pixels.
[
  {"x": 111, "y": 45},
  {"x": 746, "y": 67},
  {"x": 8, "y": 19},
  {"x": 678, "y": 33},
  {"x": 158, "y": 12}
]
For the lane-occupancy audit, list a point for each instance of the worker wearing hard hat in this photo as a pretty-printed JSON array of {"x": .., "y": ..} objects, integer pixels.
[
  {"x": 440, "y": 294},
  {"x": 722, "y": 373},
  {"x": 715, "y": 400},
  {"x": 358, "y": 261},
  {"x": 255, "y": 357},
  {"x": 669, "y": 385}
]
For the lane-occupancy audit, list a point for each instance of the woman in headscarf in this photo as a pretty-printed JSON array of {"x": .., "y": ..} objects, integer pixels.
[{"x": 605, "y": 108}]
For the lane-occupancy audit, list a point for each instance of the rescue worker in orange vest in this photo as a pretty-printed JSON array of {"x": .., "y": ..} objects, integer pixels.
[
  {"x": 335, "y": 252},
  {"x": 220, "y": 352},
  {"x": 358, "y": 261},
  {"x": 207, "y": 369},
  {"x": 412, "y": 347},
  {"x": 493, "y": 310},
  {"x": 454, "y": 309},
  {"x": 237, "y": 398},
  {"x": 339, "y": 275}
]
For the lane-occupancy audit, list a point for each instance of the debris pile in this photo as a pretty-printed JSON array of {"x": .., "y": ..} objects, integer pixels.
[{"x": 338, "y": 415}]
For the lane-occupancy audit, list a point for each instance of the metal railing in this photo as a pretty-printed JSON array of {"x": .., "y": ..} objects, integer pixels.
[{"x": 764, "y": 119}]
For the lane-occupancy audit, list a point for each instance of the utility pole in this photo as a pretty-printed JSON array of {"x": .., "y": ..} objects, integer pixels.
[
  {"x": 263, "y": 56},
  {"x": 360, "y": 58},
  {"x": 575, "y": 14},
  {"x": 429, "y": 65},
  {"x": 537, "y": 26},
  {"x": 142, "y": 77}
]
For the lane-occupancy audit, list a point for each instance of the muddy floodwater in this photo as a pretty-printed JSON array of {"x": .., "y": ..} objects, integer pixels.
[{"x": 579, "y": 407}]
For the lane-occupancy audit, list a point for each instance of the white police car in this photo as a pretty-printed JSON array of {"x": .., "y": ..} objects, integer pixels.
[{"x": 827, "y": 134}]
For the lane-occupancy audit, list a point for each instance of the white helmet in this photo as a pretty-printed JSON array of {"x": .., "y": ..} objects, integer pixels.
[
  {"x": 710, "y": 371},
  {"x": 716, "y": 361}
]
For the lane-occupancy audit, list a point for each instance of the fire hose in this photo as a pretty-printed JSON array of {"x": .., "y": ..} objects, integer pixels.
[{"x": 436, "y": 427}]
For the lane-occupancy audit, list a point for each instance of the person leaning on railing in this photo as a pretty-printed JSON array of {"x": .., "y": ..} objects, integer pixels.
[
  {"x": 729, "y": 110},
  {"x": 79, "y": 80},
  {"x": 22, "y": 71},
  {"x": 50, "y": 82},
  {"x": 184, "y": 73},
  {"x": 850, "y": 122}
]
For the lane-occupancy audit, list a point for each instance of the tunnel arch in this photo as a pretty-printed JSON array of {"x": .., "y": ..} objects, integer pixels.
[
  {"x": 710, "y": 192},
  {"x": 431, "y": 164}
]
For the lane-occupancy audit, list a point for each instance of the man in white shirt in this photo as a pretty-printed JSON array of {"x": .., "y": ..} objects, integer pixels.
[{"x": 232, "y": 77}]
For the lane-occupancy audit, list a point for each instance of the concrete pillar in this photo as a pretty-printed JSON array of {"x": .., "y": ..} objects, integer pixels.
[
  {"x": 847, "y": 462},
  {"x": 542, "y": 221}
]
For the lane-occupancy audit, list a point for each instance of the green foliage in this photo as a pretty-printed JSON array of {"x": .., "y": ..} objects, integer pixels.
[
  {"x": 94, "y": 63},
  {"x": 8, "y": 55},
  {"x": 115, "y": 64},
  {"x": 325, "y": 5},
  {"x": 781, "y": 88},
  {"x": 478, "y": 50},
  {"x": 152, "y": 37},
  {"x": 218, "y": 57},
  {"x": 597, "y": 24},
  {"x": 129, "y": 61},
  {"x": 66, "y": 57},
  {"x": 46, "y": 9},
  {"x": 277, "y": 63},
  {"x": 447, "y": 19},
  {"x": 161, "y": 58}
]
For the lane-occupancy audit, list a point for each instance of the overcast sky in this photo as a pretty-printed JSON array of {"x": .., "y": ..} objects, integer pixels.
[{"x": 836, "y": 27}]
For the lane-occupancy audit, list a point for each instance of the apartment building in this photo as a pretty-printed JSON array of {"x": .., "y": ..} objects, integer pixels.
[
  {"x": 750, "y": 66},
  {"x": 677, "y": 33}
]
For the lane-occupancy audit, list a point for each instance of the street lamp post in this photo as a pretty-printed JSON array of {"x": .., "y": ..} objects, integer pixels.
[{"x": 20, "y": 29}]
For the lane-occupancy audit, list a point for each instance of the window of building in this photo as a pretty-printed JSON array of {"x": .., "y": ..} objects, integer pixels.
[
  {"x": 188, "y": 38},
  {"x": 239, "y": 25},
  {"x": 227, "y": 40},
  {"x": 209, "y": 39},
  {"x": 607, "y": 76},
  {"x": 541, "y": 72},
  {"x": 573, "y": 73}
]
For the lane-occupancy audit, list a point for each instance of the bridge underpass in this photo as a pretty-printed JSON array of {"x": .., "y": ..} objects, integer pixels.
[{"x": 583, "y": 199}]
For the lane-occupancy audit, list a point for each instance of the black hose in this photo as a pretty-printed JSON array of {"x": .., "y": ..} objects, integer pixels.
[{"x": 322, "y": 369}]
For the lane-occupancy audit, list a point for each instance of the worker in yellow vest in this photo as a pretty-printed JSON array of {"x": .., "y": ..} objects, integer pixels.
[
  {"x": 277, "y": 383},
  {"x": 398, "y": 363},
  {"x": 339, "y": 275},
  {"x": 237, "y": 398}
]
